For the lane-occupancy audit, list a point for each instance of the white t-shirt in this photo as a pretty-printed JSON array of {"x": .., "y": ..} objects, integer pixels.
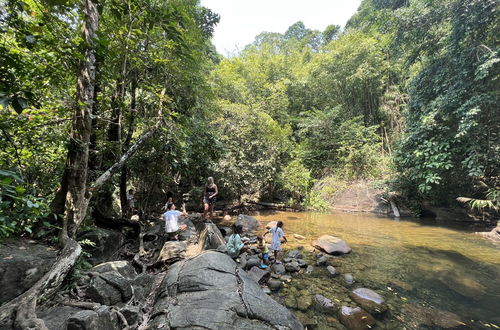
[
  {"x": 276, "y": 240},
  {"x": 171, "y": 220},
  {"x": 131, "y": 200}
]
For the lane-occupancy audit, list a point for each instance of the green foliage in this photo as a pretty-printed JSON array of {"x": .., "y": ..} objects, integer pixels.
[
  {"x": 19, "y": 208},
  {"x": 296, "y": 180}
]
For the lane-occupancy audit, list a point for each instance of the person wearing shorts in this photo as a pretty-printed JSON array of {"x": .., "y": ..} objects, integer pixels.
[{"x": 209, "y": 199}]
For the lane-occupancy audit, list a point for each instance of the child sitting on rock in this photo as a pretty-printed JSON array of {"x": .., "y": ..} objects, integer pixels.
[
  {"x": 278, "y": 234},
  {"x": 265, "y": 252},
  {"x": 235, "y": 245}
]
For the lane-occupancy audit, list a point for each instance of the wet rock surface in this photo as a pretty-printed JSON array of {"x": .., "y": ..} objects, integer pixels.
[
  {"x": 209, "y": 291},
  {"x": 332, "y": 245},
  {"x": 369, "y": 300},
  {"x": 356, "y": 318}
]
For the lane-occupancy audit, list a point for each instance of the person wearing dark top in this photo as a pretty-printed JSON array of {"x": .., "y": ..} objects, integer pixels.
[{"x": 210, "y": 198}]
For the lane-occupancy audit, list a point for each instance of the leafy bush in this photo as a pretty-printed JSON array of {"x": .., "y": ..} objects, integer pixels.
[
  {"x": 19, "y": 209},
  {"x": 295, "y": 180}
]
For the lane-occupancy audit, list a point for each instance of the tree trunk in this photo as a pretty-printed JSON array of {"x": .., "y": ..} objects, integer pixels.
[
  {"x": 126, "y": 143},
  {"x": 78, "y": 149}
]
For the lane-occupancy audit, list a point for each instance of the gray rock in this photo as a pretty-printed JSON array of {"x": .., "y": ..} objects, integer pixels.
[
  {"x": 109, "y": 288},
  {"x": 295, "y": 254},
  {"x": 123, "y": 267},
  {"x": 132, "y": 314},
  {"x": 210, "y": 238},
  {"x": 142, "y": 284},
  {"x": 106, "y": 241},
  {"x": 260, "y": 276},
  {"x": 323, "y": 304},
  {"x": 249, "y": 223},
  {"x": 271, "y": 224},
  {"x": 274, "y": 285},
  {"x": 369, "y": 300},
  {"x": 92, "y": 320},
  {"x": 286, "y": 278},
  {"x": 278, "y": 269},
  {"x": 331, "y": 245},
  {"x": 292, "y": 267},
  {"x": 309, "y": 269},
  {"x": 287, "y": 260},
  {"x": 299, "y": 237},
  {"x": 22, "y": 265},
  {"x": 209, "y": 291},
  {"x": 302, "y": 262},
  {"x": 243, "y": 260},
  {"x": 356, "y": 318},
  {"x": 172, "y": 251},
  {"x": 348, "y": 279},
  {"x": 322, "y": 261},
  {"x": 253, "y": 262},
  {"x": 332, "y": 270},
  {"x": 266, "y": 290},
  {"x": 54, "y": 317}
]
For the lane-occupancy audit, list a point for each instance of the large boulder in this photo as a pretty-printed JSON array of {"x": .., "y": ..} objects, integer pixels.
[
  {"x": 209, "y": 291},
  {"x": 259, "y": 275},
  {"x": 356, "y": 318},
  {"x": 106, "y": 243},
  {"x": 210, "y": 238},
  {"x": 369, "y": 300},
  {"x": 172, "y": 251},
  {"x": 249, "y": 223},
  {"x": 92, "y": 320},
  {"x": 332, "y": 245},
  {"x": 109, "y": 289},
  {"x": 22, "y": 264}
]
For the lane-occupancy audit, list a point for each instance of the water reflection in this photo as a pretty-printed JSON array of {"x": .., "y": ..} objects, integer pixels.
[{"x": 409, "y": 261}]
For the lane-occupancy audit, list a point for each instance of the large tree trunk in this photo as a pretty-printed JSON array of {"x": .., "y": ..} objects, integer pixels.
[{"x": 78, "y": 150}]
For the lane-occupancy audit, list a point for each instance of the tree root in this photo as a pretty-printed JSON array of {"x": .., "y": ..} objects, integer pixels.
[{"x": 23, "y": 307}]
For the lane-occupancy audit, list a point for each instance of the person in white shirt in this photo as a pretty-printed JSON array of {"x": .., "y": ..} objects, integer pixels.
[
  {"x": 171, "y": 217},
  {"x": 130, "y": 202}
]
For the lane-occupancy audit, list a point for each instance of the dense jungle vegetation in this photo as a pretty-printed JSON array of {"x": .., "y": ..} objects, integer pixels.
[{"x": 98, "y": 98}]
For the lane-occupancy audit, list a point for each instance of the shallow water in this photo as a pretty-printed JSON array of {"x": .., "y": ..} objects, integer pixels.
[{"x": 409, "y": 262}]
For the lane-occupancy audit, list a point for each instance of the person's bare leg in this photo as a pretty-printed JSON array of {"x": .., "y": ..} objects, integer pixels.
[
  {"x": 205, "y": 210},
  {"x": 212, "y": 206}
]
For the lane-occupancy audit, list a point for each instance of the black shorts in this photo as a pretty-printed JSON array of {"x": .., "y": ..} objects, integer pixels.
[{"x": 210, "y": 201}]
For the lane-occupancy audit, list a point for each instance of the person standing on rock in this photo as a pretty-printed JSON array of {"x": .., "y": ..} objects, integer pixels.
[
  {"x": 235, "y": 245},
  {"x": 278, "y": 234},
  {"x": 172, "y": 228},
  {"x": 209, "y": 199}
]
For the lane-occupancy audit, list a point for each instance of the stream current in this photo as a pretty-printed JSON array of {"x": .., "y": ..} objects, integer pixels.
[{"x": 416, "y": 266}]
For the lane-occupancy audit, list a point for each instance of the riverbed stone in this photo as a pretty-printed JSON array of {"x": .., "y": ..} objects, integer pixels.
[
  {"x": 278, "y": 269},
  {"x": 295, "y": 254},
  {"x": 323, "y": 304},
  {"x": 302, "y": 263},
  {"x": 348, "y": 279},
  {"x": 92, "y": 320},
  {"x": 421, "y": 316},
  {"x": 132, "y": 314},
  {"x": 369, "y": 300},
  {"x": 332, "y": 245},
  {"x": 299, "y": 237},
  {"x": 322, "y": 261},
  {"x": 292, "y": 267},
  {"x": 260, "y": 276},
  {"x": 356, "y": 318},
  {"x": 332, "y": 270},
  {"x": 249, "y": 223},
  {"x": 274, "y": 285},
  {"x": 209, "y": 291},
  {"x": 109, "y": 288},
  {"x": 253, "y": 262},
  {"x": 123, "y": 267},
  {"x": 309, "y": 269}
]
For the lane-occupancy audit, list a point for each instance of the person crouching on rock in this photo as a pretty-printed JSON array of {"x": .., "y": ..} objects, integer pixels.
[
  {"x": 234, "y": 245},
  {"x": 277, "y": 233},
  {"x": 265, "y": 252},
  {"x": 172, "y": 228}
]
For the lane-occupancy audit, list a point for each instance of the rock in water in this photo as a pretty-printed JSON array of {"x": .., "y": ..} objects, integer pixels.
[
  {"x": 369, "y": 300},
  {"x": 209, "y": 291},
  {"x": 323, "y": 304},
  {"x": 332, "y": 245},
  {"x": 332, "y": 270},
  {"x": 249, "y": 223},
  {"x": 299, "y": 237},
  {"x": 348, "y": 279},
  {"x": 172, "y": 251},
  {"x": 321, "y": 261},
  {"x": 356, "y": 318},
  {"x": 309, "y": 269},
  {"x": 252, "y": 262},
  {"x": 432, "y": 317}
]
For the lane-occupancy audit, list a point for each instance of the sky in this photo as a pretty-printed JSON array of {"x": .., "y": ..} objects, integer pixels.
[{"x": 242, "y": 20}]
